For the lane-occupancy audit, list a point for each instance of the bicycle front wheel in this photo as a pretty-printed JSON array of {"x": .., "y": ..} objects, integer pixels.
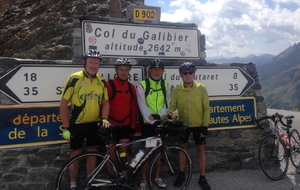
[
  {"x": 295, "y": 148},
  {"x": 87, "y": 170},
  {"x": 273, "y": 158},
  {"x": 166, "y": 165}
]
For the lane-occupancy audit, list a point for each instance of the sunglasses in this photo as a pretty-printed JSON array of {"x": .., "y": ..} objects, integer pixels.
[{"x": 190, "y": 73}]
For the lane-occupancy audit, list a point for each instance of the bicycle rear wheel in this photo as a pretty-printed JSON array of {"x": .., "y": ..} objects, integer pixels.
[
  {"x": 169, "y": 168},
  {"x": 273, "y": 158},
  {"x": 295, "y": 148},
  {"x": 87, "y": 175}
]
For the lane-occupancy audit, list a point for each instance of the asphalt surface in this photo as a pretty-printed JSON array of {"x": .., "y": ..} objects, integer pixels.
[
  {"x": 248, "y": 179},
  {"x": 252, "y": 179}
]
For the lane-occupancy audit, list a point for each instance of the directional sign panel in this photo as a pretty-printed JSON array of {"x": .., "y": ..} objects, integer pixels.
[
  {"x": 232, "y": 113},
  {"x": 41, "y": 124},
  {"x": 44, "y": 83},
  {"x": 219, "y": 81},
  {"x": 140, "y": 41}
]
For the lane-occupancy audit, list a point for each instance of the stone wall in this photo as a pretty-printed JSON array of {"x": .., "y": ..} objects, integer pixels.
[{"x": 36, "y": 167}]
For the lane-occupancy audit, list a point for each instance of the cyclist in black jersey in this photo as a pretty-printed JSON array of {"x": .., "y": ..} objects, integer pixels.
[{"x": 84, "y": 103}]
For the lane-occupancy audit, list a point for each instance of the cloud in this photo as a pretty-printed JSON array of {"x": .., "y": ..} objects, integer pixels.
[{"x": 240, "y": 27}]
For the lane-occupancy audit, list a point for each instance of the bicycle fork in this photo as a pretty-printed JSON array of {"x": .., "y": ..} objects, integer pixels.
[{"x": 166, "y": 160}]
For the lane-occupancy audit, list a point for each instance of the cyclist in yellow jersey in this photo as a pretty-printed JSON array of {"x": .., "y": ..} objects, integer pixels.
[
  {"x": 191, "y": 100},
  {"x": 84, "y": 103}
]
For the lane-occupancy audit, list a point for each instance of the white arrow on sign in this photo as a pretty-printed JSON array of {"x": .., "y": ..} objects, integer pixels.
[
  {"x": 219, "y": 81},
  {"x": 44, "y": 83}
]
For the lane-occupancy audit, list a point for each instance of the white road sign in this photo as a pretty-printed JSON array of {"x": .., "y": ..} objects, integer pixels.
[
  {"x": 227, "y": 81},
  {"x": 44, "y": 83},
  {"x": 141, "y": 41}
]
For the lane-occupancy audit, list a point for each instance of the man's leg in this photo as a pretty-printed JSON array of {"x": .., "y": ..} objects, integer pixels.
[
  {"x": 201, "y": 157},
  {"x": 73, "y": 168},
  {"x": 91, "y": 161},
  {"x": 200, "y": 149},
  {"x": 182, "y": 157}
]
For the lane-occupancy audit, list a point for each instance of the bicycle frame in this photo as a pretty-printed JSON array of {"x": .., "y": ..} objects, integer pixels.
[
  {"x": 107, "y": 171},
  {"x": 289, "y": 143},
  {"x": 132, "y": 171}
]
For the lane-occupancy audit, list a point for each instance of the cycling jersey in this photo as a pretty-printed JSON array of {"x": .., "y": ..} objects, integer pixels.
[
  {"x": 123, "y": 105},
  {"x": 85, "y": 97},
  {"x": 154, "y": 103},
  {"x": 192, "y": 104}
]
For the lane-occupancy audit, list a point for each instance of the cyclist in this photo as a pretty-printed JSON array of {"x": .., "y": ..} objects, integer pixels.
[
  {"x": 153, "y": 95},
  {"x": 123, "y": 103},
  {"x": 190, "y": 98},
  {"x": 87, "y": 95}
]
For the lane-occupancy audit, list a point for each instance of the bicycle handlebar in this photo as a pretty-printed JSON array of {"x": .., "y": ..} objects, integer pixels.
[{"x": 273, "y": 118}]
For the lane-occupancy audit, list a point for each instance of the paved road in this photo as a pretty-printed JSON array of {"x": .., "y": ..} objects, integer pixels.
[
  {"x": 248, "y": 180},
  {"x": 252, "y": 179}
]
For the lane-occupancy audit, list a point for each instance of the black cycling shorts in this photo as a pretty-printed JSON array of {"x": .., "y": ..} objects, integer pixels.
[
  {"x": 121, "y": 133},
  {"x": 148, "y": 130},
  {"x": 196, "y": 134},
  {"x": 82, "y": 132}
]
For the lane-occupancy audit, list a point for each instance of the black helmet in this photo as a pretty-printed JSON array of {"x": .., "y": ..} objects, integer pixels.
[
  {"x": 92, "y": 53},
  {"x": 122, "y": 61},
  {"x": 156, "y": 63},
  {"x": 187, "y": 66}
]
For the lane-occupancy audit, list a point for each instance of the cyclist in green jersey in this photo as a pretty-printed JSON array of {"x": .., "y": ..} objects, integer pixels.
[
  {"x": 153, "y": 106},
  {"x": 190, "y": 99},
  {"x": 84, "y": 103}
]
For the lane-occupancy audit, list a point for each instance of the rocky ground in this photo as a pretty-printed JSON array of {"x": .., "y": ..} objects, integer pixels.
[{"x": 42, "y": 29}]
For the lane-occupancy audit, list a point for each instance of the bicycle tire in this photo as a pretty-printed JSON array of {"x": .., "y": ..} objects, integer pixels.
[
  {"x": 63, "y": 178},
  {"x": 273, "y": 157},
  {"x": 165, "y": 172},
  {"x": 295, "y": 148}
]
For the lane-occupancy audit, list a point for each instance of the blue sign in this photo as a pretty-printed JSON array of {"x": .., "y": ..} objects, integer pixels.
[
  {"x": 38, "y": 125},
  {"x": 232, "y": 113},
  {"x": 30, "y": 125}
]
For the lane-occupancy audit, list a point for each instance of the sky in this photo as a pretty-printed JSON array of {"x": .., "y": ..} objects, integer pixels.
[{"x": 238, "y": 27}]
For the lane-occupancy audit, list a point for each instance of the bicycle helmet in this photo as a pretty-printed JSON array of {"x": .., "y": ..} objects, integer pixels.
[
  {"x": 92, "y": 53},
  {"x": 122, "y": 61},
  {"x": 156, "y": 63},
  {"x": 187, "y": 66}
]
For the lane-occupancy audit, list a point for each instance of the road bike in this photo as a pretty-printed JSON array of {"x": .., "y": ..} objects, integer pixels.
[
  {"x": 108, "y": 173},
  {"x": 277, "y": 147}
]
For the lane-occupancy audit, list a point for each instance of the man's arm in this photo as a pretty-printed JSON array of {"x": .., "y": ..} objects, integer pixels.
[
  {"x": 105, "y": 109},
  {"x": 142, "y": 104},
  {"x": 206, "y": 108},
  {"x": 173, "y": 106},
  {"x": 164, "y": 110},
  {"x": 133, "y": 109},
  {"x": 64, "y": 112}
]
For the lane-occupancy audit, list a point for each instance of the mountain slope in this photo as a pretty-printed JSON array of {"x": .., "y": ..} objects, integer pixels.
[
  {"x": 42, "y": 29},
  {"x": 280, "y": 79},
  {"x": 260, "y": 59},
  {"x": 279, "y": 76}
]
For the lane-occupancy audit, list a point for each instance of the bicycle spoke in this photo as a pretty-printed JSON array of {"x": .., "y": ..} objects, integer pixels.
[
  {"x": 88, "y": 170},
  {"x": 295, "y": 148},
  {"x": 273, "y": 158},
  {"x": 169, "y": 168}
]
